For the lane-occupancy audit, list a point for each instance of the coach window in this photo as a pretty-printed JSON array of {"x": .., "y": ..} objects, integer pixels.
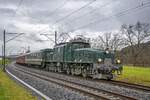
[
  {"x": 38, "y": 55},
  {"x": 59, "y": 49}
]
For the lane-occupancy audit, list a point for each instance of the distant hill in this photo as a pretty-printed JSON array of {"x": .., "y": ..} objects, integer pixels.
[{"x": 140, "y": 58}]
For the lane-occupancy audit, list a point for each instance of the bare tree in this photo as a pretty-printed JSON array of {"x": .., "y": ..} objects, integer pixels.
[
  {"x": 108, "y": 40},
  {"x": 134, "y": 37}
]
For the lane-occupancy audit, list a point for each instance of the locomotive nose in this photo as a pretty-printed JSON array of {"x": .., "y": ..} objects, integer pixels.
[{"x": 105, "y": 69}]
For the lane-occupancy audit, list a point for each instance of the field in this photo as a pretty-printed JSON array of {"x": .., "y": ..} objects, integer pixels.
[
  {"x": 138, "y": 75},
  {"x": 9, "y": 90},
  {"x": 6, "y": 61}
]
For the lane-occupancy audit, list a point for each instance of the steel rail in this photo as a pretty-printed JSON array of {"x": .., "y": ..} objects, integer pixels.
[
  {"x": 91, "y": 91},
  {"x": 130, "y": 85},
  {"x": 118, "y": 83}
]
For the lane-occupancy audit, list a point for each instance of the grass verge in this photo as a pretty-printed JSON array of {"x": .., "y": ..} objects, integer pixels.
[
  {"x": 9, "y": 90},
  {"x": 6, "y": 61},
  {"x": 137, "y": 75}
]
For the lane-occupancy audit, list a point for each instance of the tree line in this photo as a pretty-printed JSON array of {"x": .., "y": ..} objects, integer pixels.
[{"x": 131, "y": 43}]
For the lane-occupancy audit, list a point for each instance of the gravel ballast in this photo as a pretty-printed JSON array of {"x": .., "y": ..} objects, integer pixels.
[
  {"x": 52, "y": 90},
  {"x": 140, "y": 95}
]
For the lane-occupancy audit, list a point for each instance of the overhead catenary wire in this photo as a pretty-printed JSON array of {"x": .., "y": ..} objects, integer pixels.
[
  {"x": 92, "y": 11},
  {"x": 86, "y": 13},
  {"x": 70, "y": 14},
  {"x": 16, "y": 10},
  {"x": 113, "y": 16},
  {"x": 55, "y": 10},
  {"x": 76, "y": 12},
  {"x": 59, "y": 7},
  {"x": 47, "y": 36},
  {"x": 52, "y": 12},
  {"x": 27, "y": 13},
  {"x": 141, "y": 6},
  {"x": 65, "y": 17},
  {"x": 15, "y": 37}
]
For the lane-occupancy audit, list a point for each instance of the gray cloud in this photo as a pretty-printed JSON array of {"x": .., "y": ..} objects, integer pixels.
[{"x": 39, "y": 16}]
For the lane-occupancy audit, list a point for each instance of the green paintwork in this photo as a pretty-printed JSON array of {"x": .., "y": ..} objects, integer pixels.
[
  {"x": 71, "y": 52},
  {"x": 90, "y": 55},
  {"x": 74, "y": 52},
  {"x": 74, "y": 56},
  {"x": 65, "y": 52},
  {"x": 47, "y": 55}
]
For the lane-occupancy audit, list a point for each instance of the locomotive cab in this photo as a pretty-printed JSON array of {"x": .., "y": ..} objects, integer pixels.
[
  {"x": 99, "y": 63},
  {"x": 104, "y": 67}
]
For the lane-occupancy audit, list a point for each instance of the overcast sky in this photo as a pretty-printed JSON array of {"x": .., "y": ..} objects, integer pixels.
[{"x": 34, "y": 17}]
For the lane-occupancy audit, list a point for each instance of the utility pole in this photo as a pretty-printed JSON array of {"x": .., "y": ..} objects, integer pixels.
[
  {"x": 2, "y": 55},
  {"x": 4, "y": 46},
  {"x": 55, "y": 37},
  {"x": 4, "y": 33}
]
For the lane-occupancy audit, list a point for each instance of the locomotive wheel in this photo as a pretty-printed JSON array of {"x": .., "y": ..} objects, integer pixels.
[
  {"x": 43, "y": 65},
  {"x": 110, "y": 77},
  {"x": 84, "y": 73},
  {"x": 58, "y": 69},
  {"x": 72, "y": 71},
  {"x": 68, "y": 71},
  {"x": 55, "y": 69}
]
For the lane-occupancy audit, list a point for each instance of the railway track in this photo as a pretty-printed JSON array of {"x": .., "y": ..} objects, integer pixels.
[
  {"x": 117, "y": 83},
  {"x": 128, "y": 85},
  {"x": 87, "y": 90}
]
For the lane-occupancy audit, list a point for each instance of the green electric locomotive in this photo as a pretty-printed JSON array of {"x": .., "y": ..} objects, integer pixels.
[{"x": 75, "y": 57}]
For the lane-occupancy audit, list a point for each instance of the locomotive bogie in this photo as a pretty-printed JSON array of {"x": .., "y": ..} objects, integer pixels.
[{"x": 103, "y": 76}]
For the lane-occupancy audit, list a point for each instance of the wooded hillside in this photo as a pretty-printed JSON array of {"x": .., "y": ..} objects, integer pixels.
[{"x": 142, "y": 57}]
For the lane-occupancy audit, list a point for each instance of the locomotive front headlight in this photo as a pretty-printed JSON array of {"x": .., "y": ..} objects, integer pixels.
[
  {"x": 75, "y": 60},
  {"x": 118, "y": 61},
  {"x": 107, "y": 51},
  {"x": 99, "y": 60}
]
